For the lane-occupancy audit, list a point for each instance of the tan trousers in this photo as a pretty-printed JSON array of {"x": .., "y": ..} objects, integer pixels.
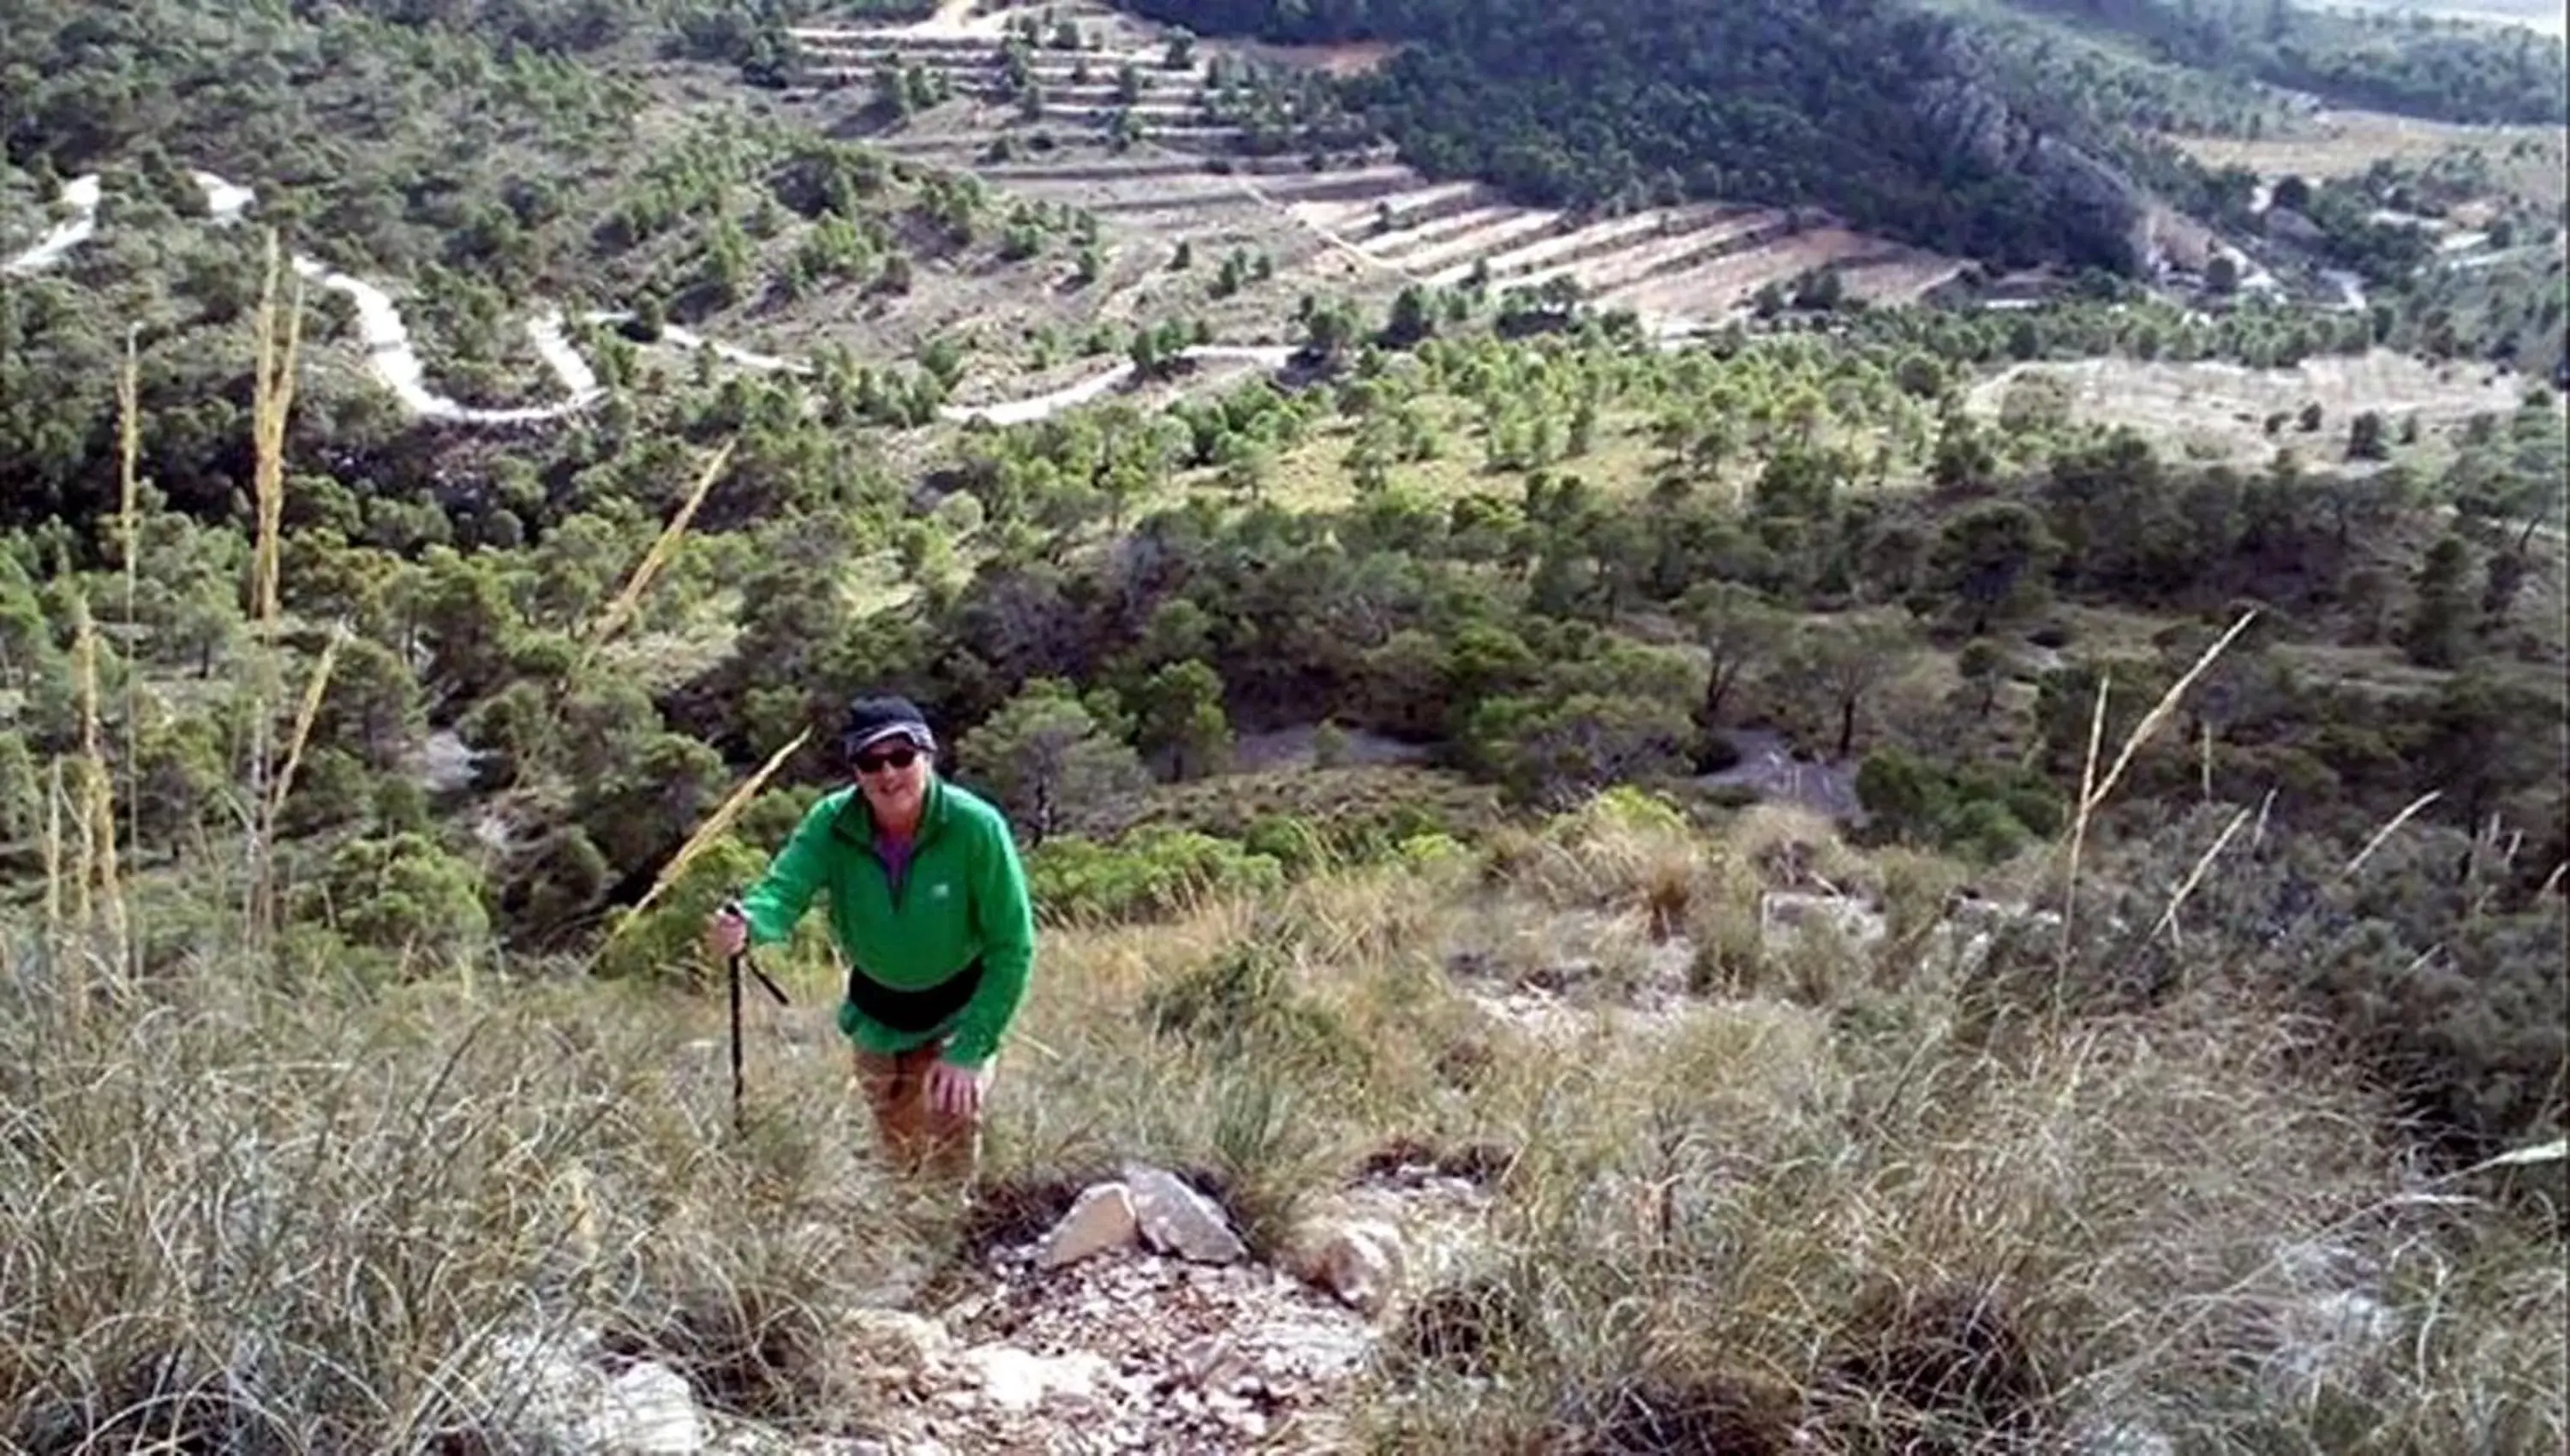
[{"x": 917, "y": 1139}]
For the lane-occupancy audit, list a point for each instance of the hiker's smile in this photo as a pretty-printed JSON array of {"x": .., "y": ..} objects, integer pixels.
[{"x": 893, "y": 776}]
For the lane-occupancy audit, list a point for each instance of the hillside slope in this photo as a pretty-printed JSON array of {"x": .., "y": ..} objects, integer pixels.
[
  {"x": 1608, "y": 1138},
  {"x": 1873, "y": 109},
  {"x": 1981, "y": 876},
  {"x": 2441, "y": 69}
]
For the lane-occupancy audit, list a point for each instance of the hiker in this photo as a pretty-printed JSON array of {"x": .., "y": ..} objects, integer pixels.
[{"x": 928, "y": 903}]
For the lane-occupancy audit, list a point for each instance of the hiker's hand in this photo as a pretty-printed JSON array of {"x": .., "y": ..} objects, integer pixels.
[
  {"x": 955, "y": 1091},
  {"x": 726, "y": 934}
]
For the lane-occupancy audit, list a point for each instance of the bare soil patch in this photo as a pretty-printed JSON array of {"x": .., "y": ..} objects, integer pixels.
[
  {"x": 2220, "y": 410},
  {"x": 1356, "y": 58},
  {"x": 2346, "y": 143}
]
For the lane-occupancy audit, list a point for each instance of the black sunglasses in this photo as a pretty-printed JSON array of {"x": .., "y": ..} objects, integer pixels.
[{"x": 891, "y": 758}]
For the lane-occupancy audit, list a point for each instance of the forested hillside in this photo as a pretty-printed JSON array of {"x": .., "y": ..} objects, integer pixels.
[
  {"x": 1874, "y": 109},
  {"x": 2449, "y": 70},
  {"x": 485, "y": 174},
  {"x": 1973, "y": 128}
]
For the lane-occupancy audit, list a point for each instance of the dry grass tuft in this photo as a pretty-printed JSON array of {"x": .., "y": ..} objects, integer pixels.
[
  {"x": 1623, "y": 851},
  {"x": 1466, "y": 1327},
  {"x": 311, "y": 1221},
  {"x": 1931, "y": 1371},
  {"x": 1719, "y": 1415}
]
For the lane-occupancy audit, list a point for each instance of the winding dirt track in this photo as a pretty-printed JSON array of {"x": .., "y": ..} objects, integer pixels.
[{"x": 395, "y": 363}]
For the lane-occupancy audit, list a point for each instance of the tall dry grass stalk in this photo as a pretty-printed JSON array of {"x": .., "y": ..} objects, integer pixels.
[
  {"x": 96, "y": 812},
  {"x": 54, "y": 860},
  {"x": 621, "y": 611},
  {"x": 303, "y": 720},
  {"x": 83, "y": 865},
  {"x": 272, "y": 401},
  {"x": 2094, "y": 792},
  {"x": 712, "y": 829},
  {"x": 129, "y": 399},
  {"x": 2163, "y": 710},
  {"x": 2195, "y": 877},
  {"x": 2088, "y": 794},
  {"x": 2390, "y": 827}
]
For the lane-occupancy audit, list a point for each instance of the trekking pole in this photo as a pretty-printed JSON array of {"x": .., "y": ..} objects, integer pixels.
[
  {"x": 736, "y": 958},
  {"x": 740, "y": 960}
]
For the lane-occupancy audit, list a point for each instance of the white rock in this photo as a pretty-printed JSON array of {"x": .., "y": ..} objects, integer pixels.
[
  {"x": 1179, "y": 1220},
  {"x": 546, "y": 1389},
  {"x": 1785, "y": 916},
  {"x": 1015, "y": 1380},
  {"x": 1359, "y": 1262},
  {"x": 898, "y": 1338},
  {"x": 1210, "y": 1359},
  {"x": 1102, "y": 1219},
  {"x": 648, "y": 1410},
  {"x": 225, "y": 202}
]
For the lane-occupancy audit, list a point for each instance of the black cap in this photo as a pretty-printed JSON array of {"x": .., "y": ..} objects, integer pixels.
[{"x": 872, "y": 720}]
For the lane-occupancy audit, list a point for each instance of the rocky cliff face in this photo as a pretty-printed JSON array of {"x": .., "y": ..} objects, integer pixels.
[{"x": 2105, "y": 209}]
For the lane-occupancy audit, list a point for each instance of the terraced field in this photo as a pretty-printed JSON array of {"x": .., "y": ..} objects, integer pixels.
[{"x": 1354, "y": 217}]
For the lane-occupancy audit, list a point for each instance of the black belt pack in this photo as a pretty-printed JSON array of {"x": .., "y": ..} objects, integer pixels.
[{"x": 913, "y": 1012}]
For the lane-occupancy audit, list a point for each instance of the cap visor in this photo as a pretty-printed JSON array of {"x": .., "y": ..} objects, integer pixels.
[{"x": 855, "y": 744}]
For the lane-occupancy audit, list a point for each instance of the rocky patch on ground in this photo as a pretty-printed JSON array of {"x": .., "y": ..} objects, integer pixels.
[
  {"x": 1137, "y": 1321},
  {"x": 1140, "y": 1321},
  {"x": 1553, "y": 982}
]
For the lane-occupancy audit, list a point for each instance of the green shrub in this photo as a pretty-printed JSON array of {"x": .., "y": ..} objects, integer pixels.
[
  {"x": 1983, "y": 811},
  {"x": 1296, "y": 843},
  {"x": 400, "y": 893},
  {"x": 1625, "y": 807},
  {"x": 1434, "y": 849},
  {"x": 1152, "y": 870}
]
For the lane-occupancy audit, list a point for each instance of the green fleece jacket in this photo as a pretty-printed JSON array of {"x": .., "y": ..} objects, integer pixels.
[{"x": 963, "y": 897}]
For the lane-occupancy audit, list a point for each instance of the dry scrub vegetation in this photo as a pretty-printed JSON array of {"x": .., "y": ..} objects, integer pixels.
[
  {"x": 1747, "y": 1197},
  {"x": 1864, "y": 1196}
]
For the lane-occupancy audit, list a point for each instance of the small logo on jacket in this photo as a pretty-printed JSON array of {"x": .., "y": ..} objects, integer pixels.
[{"x": 937, "y": 890}]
